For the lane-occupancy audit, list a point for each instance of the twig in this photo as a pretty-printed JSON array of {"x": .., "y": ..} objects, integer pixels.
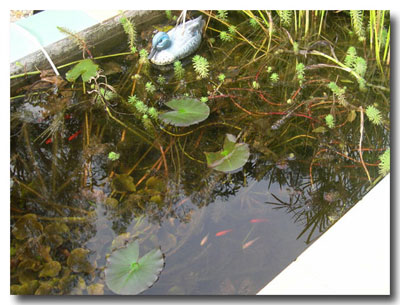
[{"x": 360, "y": 144}]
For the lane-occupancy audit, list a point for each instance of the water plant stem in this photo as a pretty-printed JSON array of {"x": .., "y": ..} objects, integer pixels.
[{"x": 360, "y": 143}]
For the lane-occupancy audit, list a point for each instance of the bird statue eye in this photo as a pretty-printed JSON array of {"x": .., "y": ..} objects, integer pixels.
[{"x": 163, "y": 43}]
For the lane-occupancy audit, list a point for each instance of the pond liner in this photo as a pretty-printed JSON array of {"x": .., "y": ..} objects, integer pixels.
[{"x": 101, "y": 37}]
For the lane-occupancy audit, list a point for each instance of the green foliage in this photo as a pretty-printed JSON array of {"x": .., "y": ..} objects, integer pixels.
[
  {"x": 186, "y": 112},
  {"x": 225, "y": 37},
  {"x": 153, "y": 113},
  {"x": 161, "y": 80},
  {"x": 150, "y": 88},
  {"x": 200, "y": 65},
  {"x": 232, "y": 29},
  {"x": 113, "y": 156},
  {"x": 274, "y": 77},
  {"x": 85, "y": 68},
  {"x": 300, "y": 72},
  {"x": 143, "y": 54},
  {"x": 232, "y": 156},
  {"x": 338, "y": 92},
  {"x": 351, "y": 56},
  {"x": 253, "y": 22},
  {"x": 384, "y": 165},
  {"x": 223, "y": 15},
  {"x": 374, "y": 115},
  {"x": 330, "y": 121},
  {"x": 204, "y": 99},
  {"x": 130, "y": 30},
  {"x": 138, "y": 104},
  {"x": 221, "y": 77},
  {"x": 255, "y": 85},
  {"x": 285, "y": 17},
  {"x": 179, "y": 71},
  {"x": 168, "y": 13},
  {"x": 357, "y": 23},
  {"x": 357, "y": 64},
  {"x": 128, "y": 274},
  {"x": 296, "y": 47},
  {"x": 360, "y": 66}
]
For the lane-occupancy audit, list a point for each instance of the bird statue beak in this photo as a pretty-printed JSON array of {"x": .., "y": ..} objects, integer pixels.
[{"x": 152, "y": 52}]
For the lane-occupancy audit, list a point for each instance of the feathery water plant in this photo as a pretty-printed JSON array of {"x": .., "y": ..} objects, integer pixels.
[
  {"x": 153, "y": 113},
  {"x": 204, "y": 99},
  {"x": 150, "y": 88},
  {"x": 300, "y": 72},
  {"x": 113, "y": 156},
  {"x": 351, "y": 56},
  {"x": 179, "y": 71},
  {"x": 357, "y": 24},
  {"x": 285, "y": 17},
  {"x": 374, "y": 115},
  {"x": 253, "y": 22},
  {"x": 384, "y": 165},
  {"x": 232, "y": 29},
  {"x": 225, "y": 37},
  {"x": 330, "y": 121},
  {"x": 138, "y": 104},
  {"x": 338, "y": 92},
  {"x": 161, "y": 80},
  {"x": 274, "y": 77},
  {"x": 143, "y": 57},
  {"x": 200, "y": 65},
  {"x": 221, "y": 77},
  {"x": 130, "y": 30},
  {"x": 255, "y": 85},
  {"x": 360, "y": 66},
  {"x": 223, "y": 15}
]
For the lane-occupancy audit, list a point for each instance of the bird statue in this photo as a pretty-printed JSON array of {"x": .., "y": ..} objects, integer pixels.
[{"x": 179, "y": 42}]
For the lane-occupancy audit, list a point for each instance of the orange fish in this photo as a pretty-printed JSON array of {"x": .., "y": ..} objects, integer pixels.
[
  {"x": 49, "y": 140},
  {"x": 204, "y": 240},
  {"x": 258, "y": 220},
  {"x": 223, "y": 232},
  {"x": 249, "y": 243},
  {"x": 74, "y": 135}
]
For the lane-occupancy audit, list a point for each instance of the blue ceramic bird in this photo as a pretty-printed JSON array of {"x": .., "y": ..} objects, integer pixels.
[{"x": 178, "y": 43}]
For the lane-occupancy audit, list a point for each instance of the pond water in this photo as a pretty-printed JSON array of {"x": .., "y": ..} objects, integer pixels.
[{"x": 73, "y": 203}]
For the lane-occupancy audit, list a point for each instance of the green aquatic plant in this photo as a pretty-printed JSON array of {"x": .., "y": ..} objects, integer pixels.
[
  {"x": 351, "y": 56},
  {"x": 221, "y": 77},
  {"x": 113, "y": 156},
  {"x": 384, "y": 165},
  {"x": 255, "y": 85},
  {"x": 140, "y": 106},
  {"x": 274, "y": 77},
  {"x": 143, "y": 57},
  {"x": 253, "y": 22},
  {"x": 201, "y": 66},
  {"x": 161, "y": 80},
  {"x": 150, "y": 88},
  {"x": 186, "y": 112},
  {"x": 204, "y": 99},
  {"x": 338, "y": 92},
  {"x": 225, "y": 37},
  {"x": 130, "y": 30},
  {"x": 360, "y": 66},
  {"x": 168, "y": 14},
  {"x": 153, "y": 113},
  {"x": 357, "y": 22},
  {"x": 86, "y": 68},
  {"x": 374, "y": 115},
  {"x": 232, "y": 156},
  {"x": 128, "y": 274},
  {"x": 285, "y": 17},
  {"x": 179, "y": 71},
  {"x": 330, "y": 121},
  {"x": 223, "y": 15},
  {"x": 300, "y": 70},
  {"x": 232, "y": 29}
]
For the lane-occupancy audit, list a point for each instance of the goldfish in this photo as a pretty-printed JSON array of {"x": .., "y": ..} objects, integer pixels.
[
  {"x": 49, "y": 140},
  {"x": 249, "y": 243},
  {"x": 204, "y": 240},
  {"x": 258, "y": 220},
  {"x": 223, "y": 232},
  {"x": 76, "y": 134}
]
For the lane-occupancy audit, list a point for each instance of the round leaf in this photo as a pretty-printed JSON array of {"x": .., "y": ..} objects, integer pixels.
[
  {"x": 126, "y": 274},
  {"x": 186, "y": 112}
]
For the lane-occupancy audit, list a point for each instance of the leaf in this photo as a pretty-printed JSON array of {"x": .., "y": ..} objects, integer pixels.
[
  {"x": 128, "y": 274},
  {"x": 85, "y": 68},
  {"x": 123, "y": 183},
  {"x": 231, "y": 157},
  {"x": 78, "y": 261},
  {"x": 351, "y": 116},
  {"x": 320, "y": 129},
  {"x": 186, "y": 112}
]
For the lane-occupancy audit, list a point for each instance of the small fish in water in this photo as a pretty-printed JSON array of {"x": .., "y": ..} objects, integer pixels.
[
  {"x": 76, "y": 134},
  {"x": 249, "y": 243},
  {"x": 49, "y": 140},
  {"x": 223, "y": 232},
  {"x": 204, "y": 240},
  {"x": 258, "y": 220}
]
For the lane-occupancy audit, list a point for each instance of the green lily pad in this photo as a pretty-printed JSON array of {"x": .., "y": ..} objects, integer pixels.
[
  {"x": 187, "y": 111},
  {"x": 85, "y": 68},
  {"x": 50, "y": 269},
  {"x": 78, "y": 261},
  {"x": 26, "y": 227},
  {"x": 231, "y": 157},
  {"x": 128, "y": 274}
]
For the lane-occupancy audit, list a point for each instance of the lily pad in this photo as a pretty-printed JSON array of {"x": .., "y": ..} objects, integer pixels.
[
  {"x": 187, "y": 111},
  {"x": 85, "y": 68},
  {"x": 78, "y": 261},
  {"x": 128, "y": 274},
  {"x": 26, "y": 227},
  {"x": 50, "y": 269},
  {"x": 231, "y": 157}
]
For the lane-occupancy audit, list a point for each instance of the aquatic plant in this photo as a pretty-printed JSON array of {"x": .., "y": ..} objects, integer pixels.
[
  {"x": 384, "y": 165},
  {"x": 357, "y": 23},
  {"x": 128, "y": 274},
  {"x": 232, "y": 29},
  {"x": 253, "y": 22},
  {"x": 330, "y": 121},
  {"x": 150, "y": 88},
  {"x": 143, "y": 57},
  {"x": 153, "y": 113},
  {"x": 223, "y": 15},
  {"x": 86, "y": 68},
  {"x": 351, "y": 56},
  {"x": 130, "y": 30},
  {"x": 274, "y": 77},
  {"x": 140, "y": 106},
  {"x": 338, "y": 92},
  {"x": 285, "y": 17},
  {"x": 204, "y": 99},
  {"x": 221, "y": 77},
  {"x": 168, "y": 14},
  {"x": 374, "y": 115},
  {"x": 232, "y": 156},
  {"x": 200, "y": 65},
  {"x": 255, "y": 85},
  {"x": 113, "y": 156},
  {"x": 179, "y": 71},
  {"x": 161, "y": 80},
  {"x": 225, "y": 36},
  {"x": 186, "y": 112},
  {"x": 300, "y": 72}
]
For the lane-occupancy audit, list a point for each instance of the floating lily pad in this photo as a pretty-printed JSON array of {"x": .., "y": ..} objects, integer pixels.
[
  {"x": 78, "y": 261},
  {"x": 128, "y": 274},
  {"x": 85, "y": 68},
  {"x": 187, "y": 111},
  {"x": 231, "y": 157},
  {"x": 50, "y": 269},
  {"x": 26, "y": 227}
]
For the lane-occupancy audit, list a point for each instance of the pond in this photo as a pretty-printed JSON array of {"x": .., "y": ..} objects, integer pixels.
[{"x": 280, "y": 125}]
